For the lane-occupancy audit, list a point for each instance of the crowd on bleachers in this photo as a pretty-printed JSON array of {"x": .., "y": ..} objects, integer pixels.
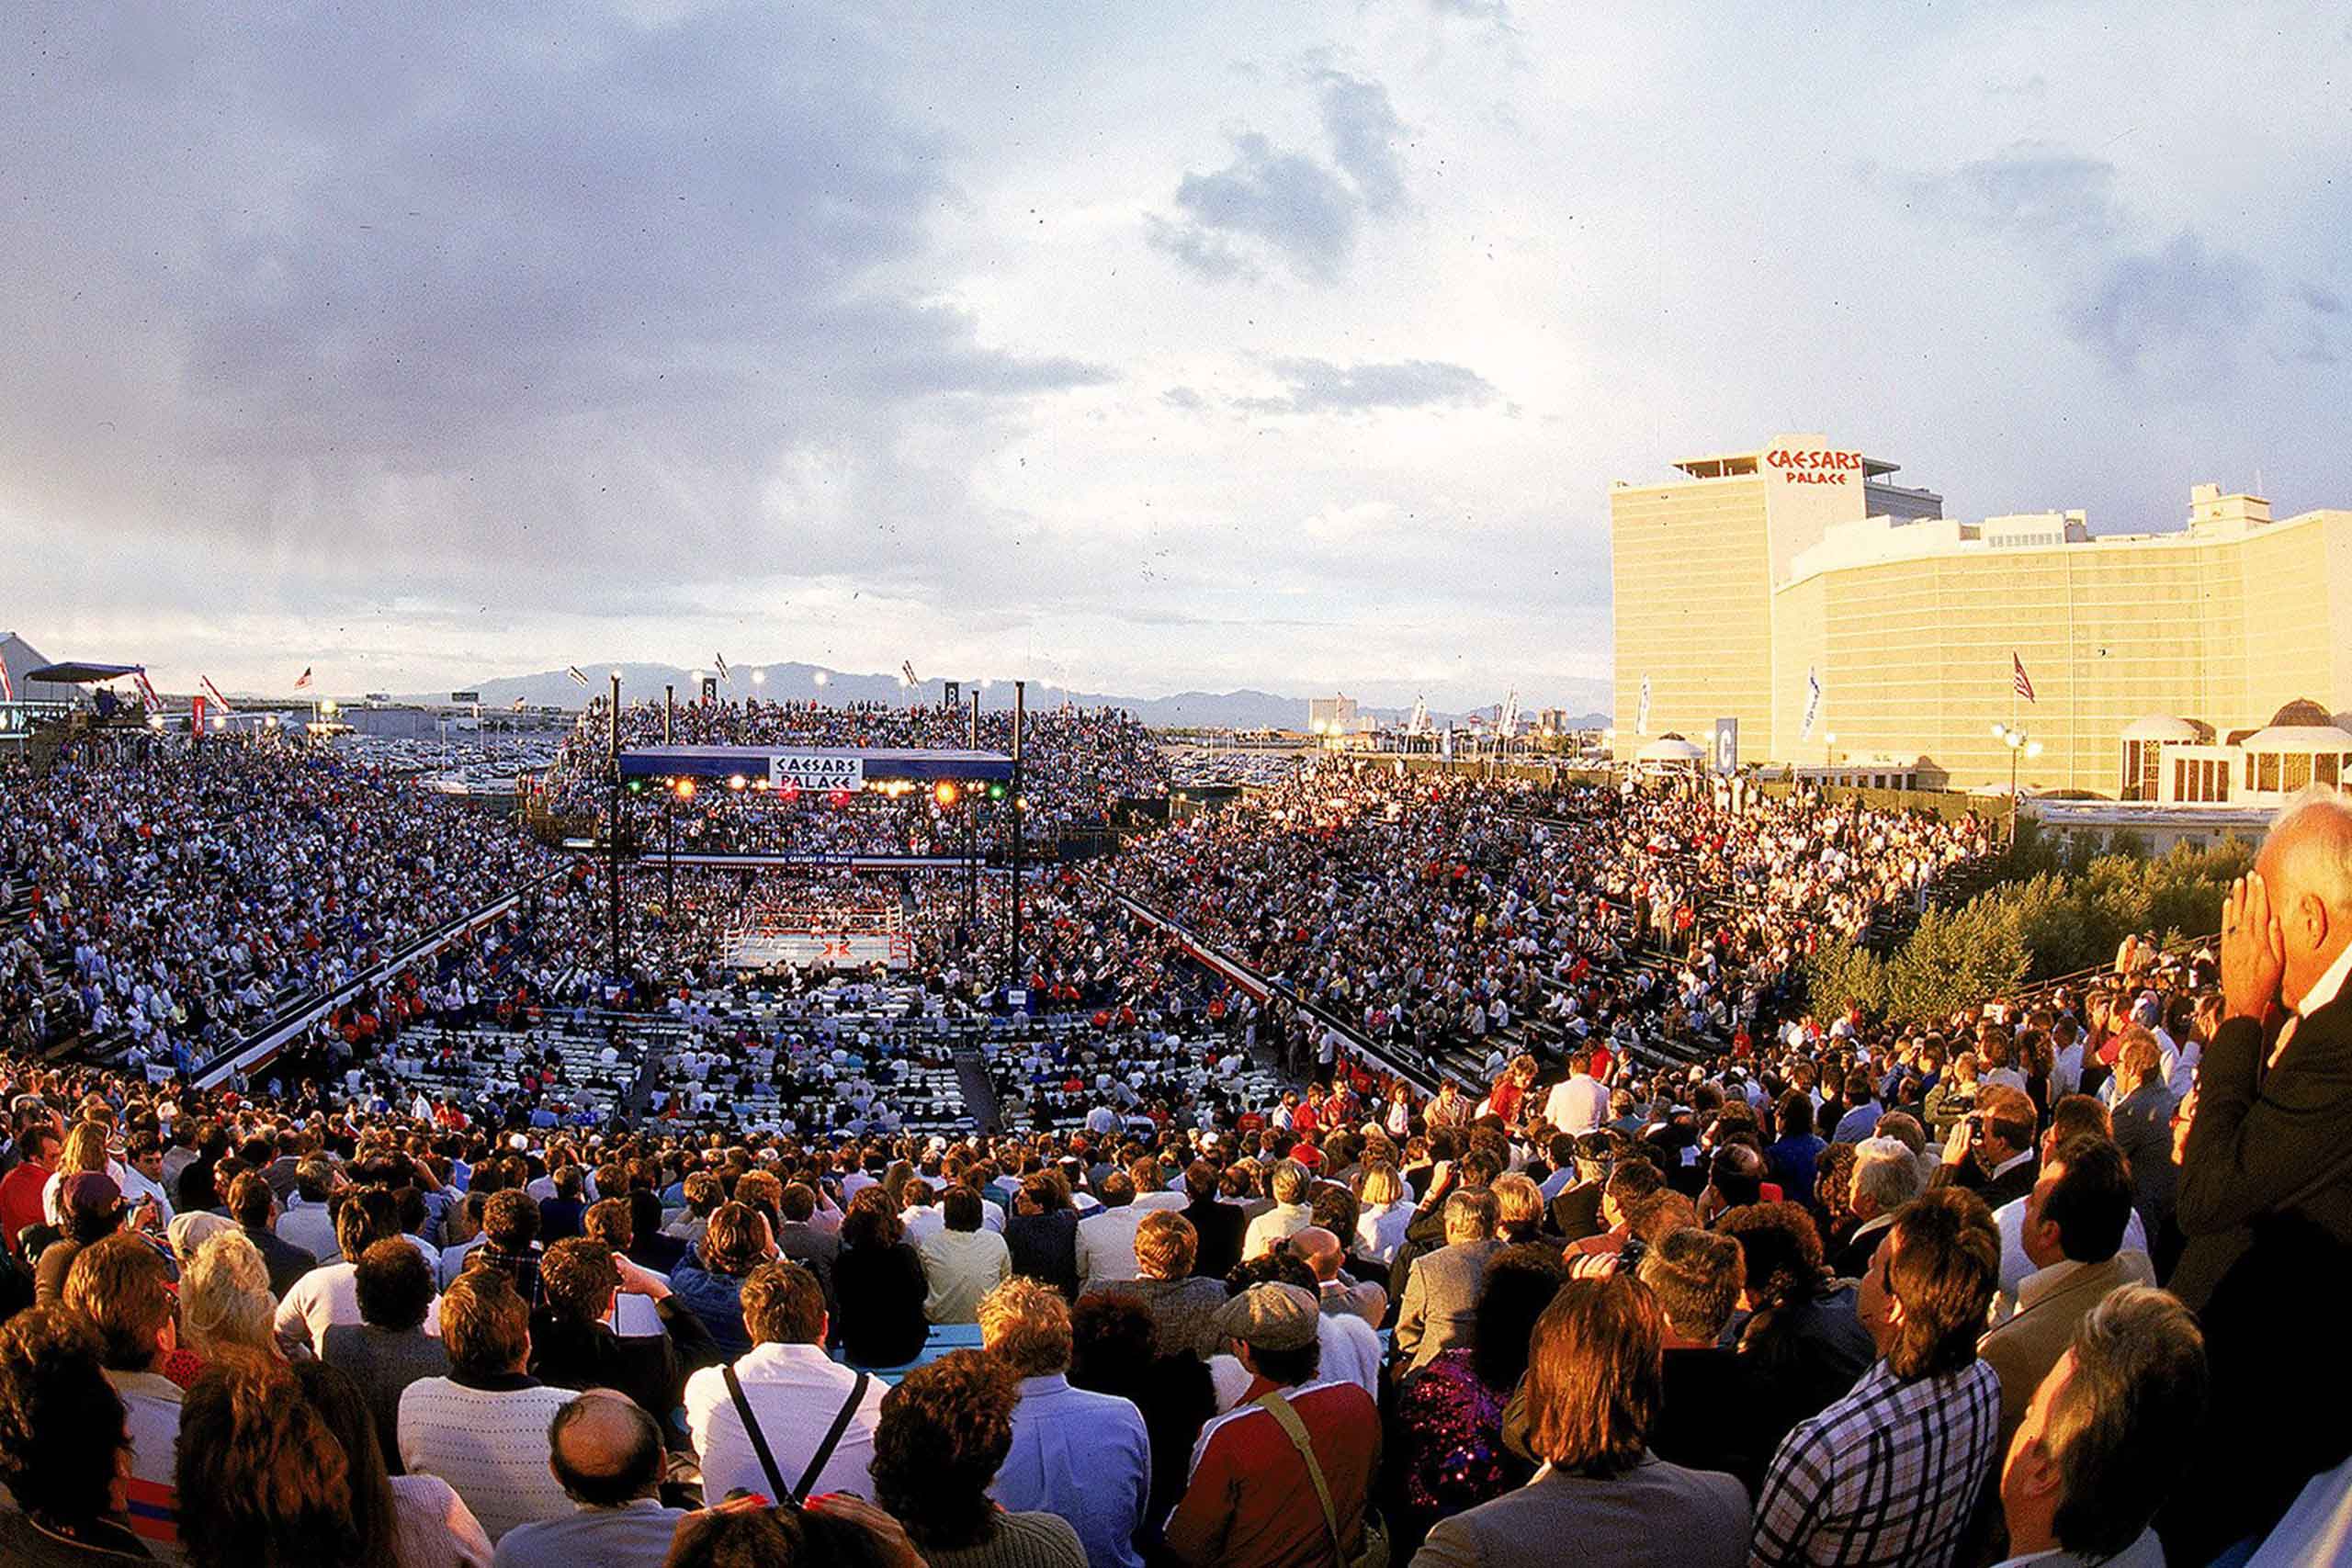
[
  {"x": 520, "y": 1258},
  {"x": 164, "y": 906},
  {"x": 1078, "y": 766}
]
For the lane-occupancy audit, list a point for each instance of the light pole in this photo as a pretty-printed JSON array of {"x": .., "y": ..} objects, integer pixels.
[
  {"x": 613, "y": 828},
  {"x": 1020, "y": 723},
  {"x": 2019, "y": 743}
]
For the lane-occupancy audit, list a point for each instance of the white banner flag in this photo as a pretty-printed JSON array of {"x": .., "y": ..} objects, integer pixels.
[
  {"x": 1811, "y": 703},
  {"x": 1642, "y": 713}
]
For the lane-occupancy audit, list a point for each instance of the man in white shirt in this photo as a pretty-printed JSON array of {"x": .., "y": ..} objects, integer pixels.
[
  {"x": 795, "y": 1392},
  {"x": 1290, "y": 1214},
  {"x": 962, "y": 1262},
  {"x": 1579, "y": 1102},
  {"x": 328, "y": 1294},
  {"x": 307, "y": 1220},
  {"x": 1106, "y": 1239}
]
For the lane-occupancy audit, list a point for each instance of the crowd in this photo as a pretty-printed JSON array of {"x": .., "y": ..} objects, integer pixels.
[
  {"x": 1077, "y": 766},
  {"x": 521, "y": 1259},
  {"x": 1920, "y": 1292},
  {"x": 169, "y": 904},
  {"x": 1446, "y": 913}
]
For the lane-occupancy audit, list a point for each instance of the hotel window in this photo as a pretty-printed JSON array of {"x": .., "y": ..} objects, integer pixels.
[
  {"x": 2179, "y": 783},
  {"x": 2325, "y": 767},
  {"x": 2266, "y": 772},
  {"x": 2298, "y": 772}
]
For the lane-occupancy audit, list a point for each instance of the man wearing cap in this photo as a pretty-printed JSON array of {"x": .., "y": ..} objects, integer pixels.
[{"x": 1251, "y": 1497}]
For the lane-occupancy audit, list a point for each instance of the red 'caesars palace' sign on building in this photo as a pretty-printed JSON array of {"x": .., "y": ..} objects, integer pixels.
[{"x": 1815, "y": 467}]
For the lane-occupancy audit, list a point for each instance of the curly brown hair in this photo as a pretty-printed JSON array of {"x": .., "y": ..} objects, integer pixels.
[
  {"x": 873, "y": 1220},
  {"x": 577, "y": 1278},
  {"x": 262, "y": 1481},
  {"x": 944, "y": 1432},
  {"x": 61, "y": 1423}
]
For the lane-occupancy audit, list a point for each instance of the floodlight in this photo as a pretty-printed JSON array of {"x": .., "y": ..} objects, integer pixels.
[{"x": 944, "y": 791}]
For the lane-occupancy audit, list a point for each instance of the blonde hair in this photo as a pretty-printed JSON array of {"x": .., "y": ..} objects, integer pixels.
[
  {"x": 224, "y": 1296},
  {"x": 1518, "y": 1201},
  {"x": 85, "y": 1148},
  {"x": 1025, "y": 1326},
  {"x": 1382, "y": 1185}
]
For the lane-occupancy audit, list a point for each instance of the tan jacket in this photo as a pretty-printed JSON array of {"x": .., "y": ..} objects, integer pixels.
[{"x": 2050, "y": 1302}]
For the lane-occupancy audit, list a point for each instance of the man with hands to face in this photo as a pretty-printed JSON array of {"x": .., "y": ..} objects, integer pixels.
[{"x": 2265, "y": 1192}]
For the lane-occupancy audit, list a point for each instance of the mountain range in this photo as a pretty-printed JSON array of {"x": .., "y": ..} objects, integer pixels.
[{"x": 1244, "y": 709}]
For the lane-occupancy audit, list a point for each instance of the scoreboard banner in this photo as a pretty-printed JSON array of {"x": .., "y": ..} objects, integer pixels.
[{"x": 815, "y": 770}]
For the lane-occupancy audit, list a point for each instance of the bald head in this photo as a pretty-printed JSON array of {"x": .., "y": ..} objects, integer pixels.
[
  {"x": 2306, "y": 869},
  {"x": 605, "y": 1450},
  {"x": 1318, "y": 1249}
]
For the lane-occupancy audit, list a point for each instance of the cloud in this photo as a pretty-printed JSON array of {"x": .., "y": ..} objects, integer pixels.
[
  {"x": 1290, "y": 206},
  {"x": 2033, "y": 190},
  {"x": 2183, "y": 304},
  {"x": 2181, "y": 296},
  {"x": 1317, "y": 386}
]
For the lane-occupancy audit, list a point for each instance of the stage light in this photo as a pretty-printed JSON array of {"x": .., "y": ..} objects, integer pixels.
[
  {"x": 636, "y": 786},
  {"x": 943, "y": 791},
  {"x": 996, "y": 792},
  {"x": 685, "y": 789},
  {"x": 736, "y": 781}
]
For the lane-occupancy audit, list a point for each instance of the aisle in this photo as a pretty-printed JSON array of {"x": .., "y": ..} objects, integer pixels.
[{"x": 979, "y": 1094}]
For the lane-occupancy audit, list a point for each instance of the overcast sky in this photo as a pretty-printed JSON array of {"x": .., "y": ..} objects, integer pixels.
[{"x": 1128, "y": 346}]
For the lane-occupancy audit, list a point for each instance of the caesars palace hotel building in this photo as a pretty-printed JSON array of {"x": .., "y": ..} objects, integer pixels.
[{"x": 1757, "y": 577}]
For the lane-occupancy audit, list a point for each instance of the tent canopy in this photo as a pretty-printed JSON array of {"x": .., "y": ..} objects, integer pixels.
[{"x": 75, "y": 673}]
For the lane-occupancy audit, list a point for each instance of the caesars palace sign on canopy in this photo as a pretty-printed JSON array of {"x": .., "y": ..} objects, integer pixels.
[
  {"x": 1803, "y": 466},
  {"x": 812, "y": 770}
]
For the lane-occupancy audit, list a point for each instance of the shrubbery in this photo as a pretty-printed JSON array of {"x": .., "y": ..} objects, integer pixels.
[{"x": 2060, "y": 907}]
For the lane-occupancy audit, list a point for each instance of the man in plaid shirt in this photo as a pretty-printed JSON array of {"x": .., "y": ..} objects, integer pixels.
[{"x": 1891, "y": 1474}]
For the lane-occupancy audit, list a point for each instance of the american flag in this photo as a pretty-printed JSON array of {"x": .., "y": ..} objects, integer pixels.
[
  {"x": 7, "y": 683},
  {"x": 720, "y": 659},
  {"x": 214, "y": 693},
  {"x": 906, "y": 668},
  {"x": 577, "y": 673},
  {"x": 2018, "y": 681},
  {"x": 147, "y": 692},
  {"x": 304, "y": 680}
]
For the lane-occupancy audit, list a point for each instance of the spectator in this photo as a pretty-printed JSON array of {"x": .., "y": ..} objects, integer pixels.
[
  {"x": 944, "y": 1433},
  {"x": 1183, "y": 1306},
  {"x": 328, "y": 1294},
  {"x": 1217, "y": 1226},
  {"x": 392, "y": 1345},
  {"x": 1351, "y": 1348},
  {"x": 2142, "y": 1119},
  {"x": 962, "y": 1262},
  {"x": 262, "y": 1481},
  {"x": 1041, "y": 1234},
  {"x": 573, "y": 1346},
  {"x": 2073, "y": 1233},
  {"x": 559, "y": 1216},
  {"x": 1709, "y": 1416},
  {"x": 709, "y": 1280},
  {"x": 1593, "y": 1389},
  {"x": 119, "y": 1287},
  {"x": 1885, "y": 1177},
  {"x": 1578, "y": 1102},
  {"x": 62, "y": 1433},
  {"x": 1085, "y": 1456},
  {"x": 510, "y": 1241},
  {"x": 1106, "y": 1239},
  {"x": 254, "y": 1208},
  {"x": 1450, "y": 1417},
  {"x": 1890, "y": 1473},
  {"x": 483, "y": 1428},
  {"x": 606, "y": 1453},
  {"x": 225, "y": 1303},
  {"x": 91, "y": 1206},
  {"x": 1442, "y": 1292},
  {"x": 880, "y": 1281},
  {"x": 2107, "y": 1436},
  {"x": 1793, "y": 1157},
  {"x": 308, "y": 1220},
  {"x": 1289, "y": 1211},
  {"x": 40, "y": 1145},
  {"x": 1804, "y": 1344},
  {"x": 800, "y": 1398},
  {"x": 415, "y": 1520},
  {"x": 1991, "y": 1150},
  {"x": 1384, "y": 1215},
  {"x": 1251, "y": 1498},
  {"x": 800, "y": 1239},
  {"x": 1115, "y": 1350}
]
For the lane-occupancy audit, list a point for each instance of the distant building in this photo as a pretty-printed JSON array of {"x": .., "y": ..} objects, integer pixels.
[
  {"x": 1332, "y": 716},
  {"x": 1761, "y": 577}
]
